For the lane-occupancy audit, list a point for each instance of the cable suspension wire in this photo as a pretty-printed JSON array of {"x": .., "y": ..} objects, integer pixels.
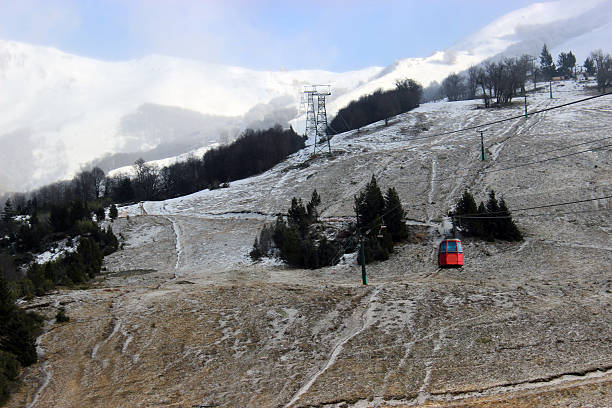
[
  {"x": 450, "y": 132},
  {"x": 549, "y": 159},
  {"x": 510, "y": 168},
  {"x": 494, "y": 217},
  {"x": 532, "y": 208},
  {"x": 553, "y": 150}
]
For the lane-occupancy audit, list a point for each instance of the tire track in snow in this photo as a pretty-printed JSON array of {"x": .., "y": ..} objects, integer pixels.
[{"x": 367, "y": 319}]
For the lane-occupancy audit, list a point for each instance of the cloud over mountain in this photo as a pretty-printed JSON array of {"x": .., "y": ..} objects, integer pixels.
[{"x": 60, "y": 111}]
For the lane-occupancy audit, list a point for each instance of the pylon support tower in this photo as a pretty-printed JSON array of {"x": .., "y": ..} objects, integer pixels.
[
  {"x": 311, "y": 120},
  {"x": 322, "y": 137}
]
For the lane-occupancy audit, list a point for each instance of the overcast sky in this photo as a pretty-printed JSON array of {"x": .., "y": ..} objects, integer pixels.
[{"x": 336, "y": 35}]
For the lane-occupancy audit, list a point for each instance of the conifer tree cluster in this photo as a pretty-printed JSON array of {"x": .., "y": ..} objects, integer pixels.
[
  {"x": 254, "y": 152},
  {"x": 17, "y": 340},
  {"x": 378, "y": 106},
  {"x": 298, "y": 239},
  {"x": 380, "y": 219},
  {"x": 489, "y": 221}
]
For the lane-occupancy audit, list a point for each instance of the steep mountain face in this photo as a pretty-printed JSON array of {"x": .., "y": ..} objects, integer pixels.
[{"x": 60, "y": 111}]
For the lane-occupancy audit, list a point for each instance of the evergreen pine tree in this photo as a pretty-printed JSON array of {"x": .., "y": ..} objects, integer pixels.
[
  {"x": 394, "y": 216},
  {"x": 100, "y": 214},
  {"x": 492, "y": 223},
  {"x": 481, "y": 222},
  {"x": 111, "y": 243},
  {"x": 369, "y": 205},
  {"x": 297, "y": 216},
  {"x": 466, "y": 206},
  {"x": 311, "y": 207},
  {"x": 16, "y": 327},
  {"x": 508, "y": 229},
  {"x": 547, "y": 66},
  {"x": 256, "y": 253},
  {"x": 9, "y": 371},
  {"x": 113, "y": 213},
  {"x": 589, "y": 65},
  {"x": 8, "y": 211}
]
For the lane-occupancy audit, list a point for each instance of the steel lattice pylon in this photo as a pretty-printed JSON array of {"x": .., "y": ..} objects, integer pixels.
[
  {"x": 321, "y": 136},
  {"x": 311, "y": 121}
]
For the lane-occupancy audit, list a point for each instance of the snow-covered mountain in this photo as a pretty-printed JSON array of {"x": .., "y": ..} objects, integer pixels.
[{"x": 60, "y": 111}]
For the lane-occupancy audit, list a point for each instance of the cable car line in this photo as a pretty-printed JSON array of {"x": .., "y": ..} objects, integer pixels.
[
  {"x": 510, "y": 168},
  {"x": 495, "y": 217},
  {"x": 535, "y": 207},
  {"x": 510, "y": 118},
  {"x": 553, "y": 150},
  {"x": 549, "y": 159}
]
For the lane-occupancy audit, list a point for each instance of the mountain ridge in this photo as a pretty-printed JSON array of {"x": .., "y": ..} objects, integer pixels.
[{"x": 62, "y": 111}]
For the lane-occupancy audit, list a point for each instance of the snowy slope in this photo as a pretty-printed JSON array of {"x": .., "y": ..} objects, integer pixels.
[
  {"x": 60, "y": 111},
  {"x": 562, "y": 25},
  {"x": 430, "y": 172}
]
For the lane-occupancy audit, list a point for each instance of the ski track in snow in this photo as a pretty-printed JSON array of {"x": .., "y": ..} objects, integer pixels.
[
  {"x": 594, "y": 376},
  {"x": 367, "y": 320}
]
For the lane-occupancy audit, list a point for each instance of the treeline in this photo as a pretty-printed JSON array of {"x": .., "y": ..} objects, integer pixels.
[
  {"x": 24, "y": 234},
  {"x": 495, "y": 82},
  {"x": 300, "y": 240},
  {"x": 254, "y": 152},
  {"x": 377, "y": 106},
  {"x": 488, "y": 221},
  {"x": 43, "y": 230},
  {"x": 499, "y": 82}
]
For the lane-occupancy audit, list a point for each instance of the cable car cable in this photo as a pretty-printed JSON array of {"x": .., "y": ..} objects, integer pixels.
[
  {"x": 510, "y": 168},
  {"x": 553, "y": 150},
  {"x": 511, "y": 118},
  {"x": 533, "y": 208}
]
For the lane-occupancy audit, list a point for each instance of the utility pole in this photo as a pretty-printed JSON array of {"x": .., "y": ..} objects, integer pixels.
[
  {"x": 482, "y": 152},
  {"x": 364, "y": 277},
  {"x": 550, "y": 86},
  {"x": 533, "y": 71}
]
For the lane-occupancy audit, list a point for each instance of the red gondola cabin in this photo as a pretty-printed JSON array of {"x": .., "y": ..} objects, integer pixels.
[{"x": 450, "y": 254}]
